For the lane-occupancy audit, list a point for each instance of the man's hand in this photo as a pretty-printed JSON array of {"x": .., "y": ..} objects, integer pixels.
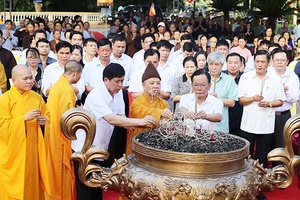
[
  {"x": 166, "y": 113},
  {"x": 214, "y": 94},
  {"x": 201, "y": 115},
  {"x": 263, "y": 104},
  {"x": 148, "y": 120},
  {"x": 30, "y": 115},
  {"x": 258, "y": 98},
  {"x": 41, "y": 120}
]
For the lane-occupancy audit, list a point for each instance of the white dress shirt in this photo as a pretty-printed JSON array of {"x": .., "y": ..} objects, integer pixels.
[
  {"x": 211, "y": 105},
  {"x": 93, "y": 73},
  {"x": 290, "y": 79},
  {"x": 127, "y": 63},
  {"x": 138, "y": 60},
  {"x": 255, "y": 119},
  {"x": 100, "y": 107},
  {"x": 51, "y": 75}
]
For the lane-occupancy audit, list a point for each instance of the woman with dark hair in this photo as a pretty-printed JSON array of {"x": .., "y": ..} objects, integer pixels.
[
  {"x": 28, "y": 35},
  {"x": 125, "y": 29},
  {"x": 182, "y": 84},
  {"x": 249, "y": 36},
  {"x": 203, "y": 43},
  {"x": 201, "y": 57},
  {"x": 288, "y": 39},
  {"x": 77, "y": 54},
  {"x": 269, "y": 34},
  {"x": 283, "y": 45},
  {"x": 32, "y": 58}
]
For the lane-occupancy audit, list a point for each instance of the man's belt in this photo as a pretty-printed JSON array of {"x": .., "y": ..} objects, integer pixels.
[{"x": 278, "y": 113}]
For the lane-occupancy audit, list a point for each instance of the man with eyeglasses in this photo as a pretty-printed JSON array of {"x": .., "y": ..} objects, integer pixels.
[
  {"x": 290, "y": 84},
  {"x": 90, "y": 50},
  {"x": 200, "y": 105}
]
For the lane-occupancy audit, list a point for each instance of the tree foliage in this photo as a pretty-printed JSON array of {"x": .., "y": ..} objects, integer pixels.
[
  {"x": 273, "y": 9},
  {"x": 226, "y": 6}
]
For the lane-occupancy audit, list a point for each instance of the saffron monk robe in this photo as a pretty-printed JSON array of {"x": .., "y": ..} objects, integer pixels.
[{"x": 23, "y": 171}]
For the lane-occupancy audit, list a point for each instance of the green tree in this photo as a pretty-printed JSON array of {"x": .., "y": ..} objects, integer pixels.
[
  {"x": 226, "y": 6},
  {"x": 273, "y": 9}
]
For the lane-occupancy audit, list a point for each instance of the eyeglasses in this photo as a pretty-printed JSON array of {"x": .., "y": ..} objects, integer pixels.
[{"x": 32, "y": 58}]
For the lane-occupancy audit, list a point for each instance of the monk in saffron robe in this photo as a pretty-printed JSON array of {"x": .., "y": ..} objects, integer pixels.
[
  {"x": 148, "y": 103},
  {"x": 3, "y": 79},
  {"x": 23, "y": 170},
  {"x": 61, "y": 98}
]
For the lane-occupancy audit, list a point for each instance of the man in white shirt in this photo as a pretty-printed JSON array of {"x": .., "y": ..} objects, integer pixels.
[
  {"x": 135, "y": 84},
  {"x": 138, "y": 57},
  {"x": 260, "y": 91},
  {"x": 165, "y": 68},
  {"x": 108, "y": 109},
  {"x": 179, "y": 53},
  {"x": 55, "y": 70},
  {"x": 187, "y": 50},
  {"x": 90, "y": 50},
  {"x": 93, "y": 71},
  {"x": 290, "y": 83},
  {"x": 201, "y": 106},
  {"x": 118, "y": 56}
]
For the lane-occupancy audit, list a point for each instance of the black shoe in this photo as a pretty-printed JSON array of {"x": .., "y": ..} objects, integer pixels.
[{"x": 261, "y": 196}]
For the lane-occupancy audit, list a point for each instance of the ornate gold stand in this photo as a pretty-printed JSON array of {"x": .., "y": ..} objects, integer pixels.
[{"x": 156, "y": 174}]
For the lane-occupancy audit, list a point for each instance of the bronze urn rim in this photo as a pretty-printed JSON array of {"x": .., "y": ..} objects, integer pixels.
[{"x": 186, "y": 164}]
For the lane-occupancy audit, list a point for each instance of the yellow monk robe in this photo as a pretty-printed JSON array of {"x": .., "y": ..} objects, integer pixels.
[
  {"x": 3, "y": 78},
  {"x": 23, "y": 170},
  {"x": 140, "y": 107},
  {"x": 61, "y": 172}
]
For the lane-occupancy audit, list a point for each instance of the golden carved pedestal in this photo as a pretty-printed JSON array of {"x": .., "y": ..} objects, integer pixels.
[{"x": 157, "y": 174}]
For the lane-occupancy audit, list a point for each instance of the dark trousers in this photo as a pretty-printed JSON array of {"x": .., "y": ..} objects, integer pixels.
[
  {"x": 278, "y": 132},
  {"x": 263, "y": 143},
  {"x": 117, "y": 143}
]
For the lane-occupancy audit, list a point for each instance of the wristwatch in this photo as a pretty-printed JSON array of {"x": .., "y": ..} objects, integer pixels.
[{"x": 270, "y": 104}]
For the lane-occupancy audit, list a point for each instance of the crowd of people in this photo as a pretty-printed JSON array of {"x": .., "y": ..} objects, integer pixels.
[{"x": 236, "y": 77}]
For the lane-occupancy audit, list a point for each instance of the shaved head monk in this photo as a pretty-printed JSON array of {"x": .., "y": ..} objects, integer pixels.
[{"x": 23, "y": 172}]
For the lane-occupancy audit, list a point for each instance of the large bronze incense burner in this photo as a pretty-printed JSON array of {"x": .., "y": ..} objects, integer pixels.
[{"x": 152, "y": 173}]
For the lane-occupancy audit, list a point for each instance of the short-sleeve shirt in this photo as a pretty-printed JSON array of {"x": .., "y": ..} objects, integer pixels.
[
  {"x": 255, "y": 119},
  {"x": 100, "y": 103},
  {"x": 211, "y": 105},
  {"x": 127, "y": 63},
  {"x": 92, "y": 73},
  {"x": 226, "y": 88}
]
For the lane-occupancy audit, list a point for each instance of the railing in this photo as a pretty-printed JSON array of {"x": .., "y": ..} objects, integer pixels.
[{"x": 95, "y": 18}]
